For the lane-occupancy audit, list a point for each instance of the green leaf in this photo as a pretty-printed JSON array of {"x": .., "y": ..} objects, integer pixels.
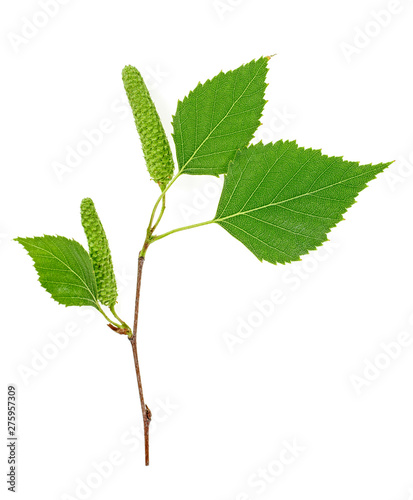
[
  {"x": 218, "y": 118},
  {"x": 64, "y": 268},
  {"x": 280, "y": 200}
]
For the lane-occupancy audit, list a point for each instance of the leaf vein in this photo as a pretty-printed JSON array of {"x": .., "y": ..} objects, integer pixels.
[{"x": 222, "y": 119}]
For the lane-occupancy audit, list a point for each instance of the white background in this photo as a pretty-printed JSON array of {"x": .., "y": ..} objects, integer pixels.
[{"x": 229, "y": 412}]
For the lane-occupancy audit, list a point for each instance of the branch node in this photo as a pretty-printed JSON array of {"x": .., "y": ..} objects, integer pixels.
[{"x": 121, "y": 331}]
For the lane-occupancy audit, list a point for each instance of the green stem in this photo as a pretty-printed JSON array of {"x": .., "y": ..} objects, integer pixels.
[
  {"x": 146, "y": 413},
  {"x": 112, "y": 308},
  {"x": 161, "y": 197},
  {"x": 184, "y": 228},
  {"x": 108, "y": 319},
  {"x": 160, "y": 215},
  {"x": 151, "y": 227}
]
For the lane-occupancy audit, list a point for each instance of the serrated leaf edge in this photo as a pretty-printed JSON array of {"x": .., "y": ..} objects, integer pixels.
[
  {"x": 200, "y": 84},
  {"x": 18, "y": 239},
  {"x": 341, "y": 218}
]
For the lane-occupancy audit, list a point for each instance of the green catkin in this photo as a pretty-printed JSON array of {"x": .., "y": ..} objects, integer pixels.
[
  {"x": 155, "y": 145},
  {"x": 99, "y": 253}
]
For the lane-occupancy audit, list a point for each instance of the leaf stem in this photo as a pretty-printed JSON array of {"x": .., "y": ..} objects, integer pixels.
[
  {"x": 184, "y": 228},
  {"x": 108, "y": 319},
  {"x": 151, "y": 226},
  {"x": 123, "y": 324},
  {"x": 161, "y": 198},
  {"x": 160, "y": 215}
]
